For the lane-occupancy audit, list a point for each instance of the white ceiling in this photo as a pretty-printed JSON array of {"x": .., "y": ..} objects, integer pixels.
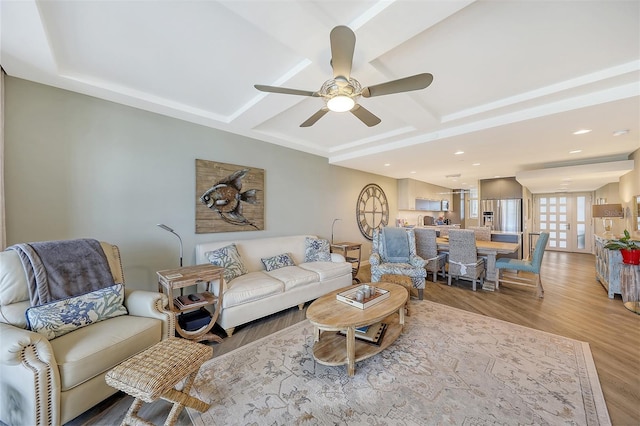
[{"x": 512, "y": 79}]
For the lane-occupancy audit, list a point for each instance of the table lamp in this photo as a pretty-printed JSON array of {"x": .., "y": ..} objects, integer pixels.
[{"x": 607, "y": 212}]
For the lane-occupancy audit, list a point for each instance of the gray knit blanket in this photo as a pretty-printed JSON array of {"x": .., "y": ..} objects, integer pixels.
[
  {"x": 396, "y": 245},
  {"x": 60, "y": 269}
]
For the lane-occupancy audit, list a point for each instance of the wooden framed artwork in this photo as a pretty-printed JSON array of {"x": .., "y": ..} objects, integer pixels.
[{"x": 229, "y": 198}]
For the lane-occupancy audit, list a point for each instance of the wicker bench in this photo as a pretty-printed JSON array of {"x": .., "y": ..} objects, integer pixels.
[{"x": 155, "y": 372}]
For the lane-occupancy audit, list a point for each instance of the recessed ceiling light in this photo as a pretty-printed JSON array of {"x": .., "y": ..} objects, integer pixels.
[
  {"x": 621, "y": 132},
  {"x": 581, "y": 131},
  {"x": 575, "y": 151},
  {"x": 495, "y": 177},
  {"x": 475, "y": 164},
  {"x": 387, "y": 164},
  {"x": 413, "y": 172},
  {"x": 458, "y": 152}
]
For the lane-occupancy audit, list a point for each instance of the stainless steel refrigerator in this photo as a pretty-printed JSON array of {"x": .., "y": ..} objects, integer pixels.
[{"x": 502, "y": 215}]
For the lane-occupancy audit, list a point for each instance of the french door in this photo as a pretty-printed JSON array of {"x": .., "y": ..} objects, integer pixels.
[{"x": 567, "y": 218}]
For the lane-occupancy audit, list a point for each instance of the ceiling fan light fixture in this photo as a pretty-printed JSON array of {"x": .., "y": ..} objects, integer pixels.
[{"x": 340, "y": 103}]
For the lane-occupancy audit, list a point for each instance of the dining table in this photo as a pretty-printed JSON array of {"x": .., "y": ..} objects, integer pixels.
[{"x": 490, "y": 249}]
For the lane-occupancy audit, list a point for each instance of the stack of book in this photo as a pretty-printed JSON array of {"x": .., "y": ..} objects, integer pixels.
[
  {"x": 370, "y": 333},
  {"x": 183, "y": 302}
]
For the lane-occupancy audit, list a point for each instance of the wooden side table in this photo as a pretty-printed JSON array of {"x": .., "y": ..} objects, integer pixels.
[
  {"x": 173, "y": 279},
  {"x": 344, "y": 249}
]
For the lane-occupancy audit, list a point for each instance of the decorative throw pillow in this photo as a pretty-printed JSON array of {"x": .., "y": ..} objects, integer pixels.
[
  {"x": 229, "y": 258},
  {"x": 277, "y": 262},
  {"x": 316, "y": 250},
  {"x": 64, "y": 316}
]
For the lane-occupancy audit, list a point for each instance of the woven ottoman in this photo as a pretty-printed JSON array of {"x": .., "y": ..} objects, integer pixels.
[
  {"x": 155, "y": 372},
  {"x": 403, "y": 281}
]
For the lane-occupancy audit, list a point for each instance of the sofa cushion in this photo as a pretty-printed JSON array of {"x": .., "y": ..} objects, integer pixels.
[
  {"x": 229, "y": 258},
  {"x": 327, "y": 270},
  {"x": 95, "y": 349},
  {"x": 58, "y": 318},
  {"x": 277, "y": 262},
  {"x": 316, "y": 250},
  {"x": 13, "y": 281},
  {"x": 250, "y": 287},
  {"x": 294, "y": 276}
]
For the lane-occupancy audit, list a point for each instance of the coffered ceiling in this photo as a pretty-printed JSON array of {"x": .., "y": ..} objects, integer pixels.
[{"x": 512, "y": 79}]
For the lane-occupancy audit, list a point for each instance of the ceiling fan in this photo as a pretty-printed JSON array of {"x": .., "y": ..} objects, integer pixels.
[{"x": 342, "y": 91}]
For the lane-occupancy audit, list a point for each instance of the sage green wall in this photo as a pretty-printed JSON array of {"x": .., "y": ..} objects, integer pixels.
[{"x": 78, "y": 167}]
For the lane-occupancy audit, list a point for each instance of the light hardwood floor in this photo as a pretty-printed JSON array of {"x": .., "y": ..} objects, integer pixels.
[{"x": 575, "y": 306}]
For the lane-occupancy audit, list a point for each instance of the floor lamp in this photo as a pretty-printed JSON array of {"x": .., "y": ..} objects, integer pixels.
[
  {"x": 332, "y": 225},
  {"x": 166, "y": 228}
]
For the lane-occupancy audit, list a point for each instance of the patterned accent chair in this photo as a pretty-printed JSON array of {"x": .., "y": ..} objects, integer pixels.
[
  {"x": 532, "y": 266},
  {"x": 463, "y": 257},
  {"x": 394, "y": 252},
  {"x": 427, "y": 248}
]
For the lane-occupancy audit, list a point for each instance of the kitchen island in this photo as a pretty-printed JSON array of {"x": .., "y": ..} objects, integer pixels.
[{"x": 509, "y": 237}]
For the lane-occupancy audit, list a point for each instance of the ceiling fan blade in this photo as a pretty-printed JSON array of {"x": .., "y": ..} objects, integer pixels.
[
  {"x": 315, "y": 117},
  {"x": 415, "y": 82},
  {"x": 286, "y": 91},
  {"x": 343, "y": 43},
  {"x": 365, "y": 115}
]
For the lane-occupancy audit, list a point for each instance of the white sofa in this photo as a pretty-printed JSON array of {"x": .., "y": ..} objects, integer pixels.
[
  {"x": 260, "y": 293},
  {"x": 49, "y": 382}
]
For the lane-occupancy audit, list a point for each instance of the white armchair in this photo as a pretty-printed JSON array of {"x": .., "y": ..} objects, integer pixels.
[{"x": 49, "y": 382}]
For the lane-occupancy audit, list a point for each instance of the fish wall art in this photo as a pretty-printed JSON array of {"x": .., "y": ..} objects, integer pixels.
[{"x": 229, "y": 197}]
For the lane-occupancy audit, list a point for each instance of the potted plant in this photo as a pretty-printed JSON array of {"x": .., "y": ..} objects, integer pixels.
[{"x": 629, "y": 248}]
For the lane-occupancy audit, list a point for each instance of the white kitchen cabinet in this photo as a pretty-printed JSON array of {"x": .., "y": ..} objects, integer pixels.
[{"x": 416, "y": 195}]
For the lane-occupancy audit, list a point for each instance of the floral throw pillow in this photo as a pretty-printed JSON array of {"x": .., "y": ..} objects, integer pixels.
[
  {"x": 316, "y": 250},
  {"x": 229, "y": 258},
  {"x": 64, "y": 316},
  {"x": 277, "y": 262}
]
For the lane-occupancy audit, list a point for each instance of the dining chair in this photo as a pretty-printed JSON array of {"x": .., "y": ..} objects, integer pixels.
[
  {"x": 427, "y": 248},
  {"x": 483, "y": 233},
  {"x": 393, "y": 251},
  {"x": 530, "y": 267},
  {"x": 463, "y": 257}
]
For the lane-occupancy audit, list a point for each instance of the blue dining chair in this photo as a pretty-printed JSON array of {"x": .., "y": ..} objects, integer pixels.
[{"x": 531, "y": 266}]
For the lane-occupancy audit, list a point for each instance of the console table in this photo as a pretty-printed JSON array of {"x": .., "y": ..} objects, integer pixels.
[
  {"x": 630, "y": 285},
  {"x": 608, "y": 264}
]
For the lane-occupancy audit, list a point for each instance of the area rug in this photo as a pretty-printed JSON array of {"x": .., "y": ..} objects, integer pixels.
[{"x": 449, "y": 367}]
